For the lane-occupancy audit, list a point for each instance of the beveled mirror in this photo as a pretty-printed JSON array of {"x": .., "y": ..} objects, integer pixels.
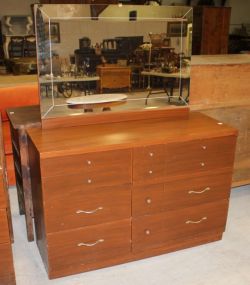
[{"x": 112, "y": 58}]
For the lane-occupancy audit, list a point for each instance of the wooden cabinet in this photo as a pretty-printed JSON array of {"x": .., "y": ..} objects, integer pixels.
[
  {"x": 7, "y": 275},
  {"x": 113, "y": 77},
  {"x": 210, "y": 30},
  {"x": 22, "y": 118},
  {"x": 125, "y": 192}
]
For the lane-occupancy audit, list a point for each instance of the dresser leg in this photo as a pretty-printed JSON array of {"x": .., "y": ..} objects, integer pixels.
[{"x": 28, "y": 204}]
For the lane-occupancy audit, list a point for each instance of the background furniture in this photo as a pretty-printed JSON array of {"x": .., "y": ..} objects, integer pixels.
[
  {"x": 7, "y": 274},
  {"x": 113, "y": 76},
  {"x": 20, "y": 119},
  {"x": 210, "y": 30},
  {"x": 19, "y": 95},
  {"x": 112, "y": 193},
  {"x": 220, "y": 88}
]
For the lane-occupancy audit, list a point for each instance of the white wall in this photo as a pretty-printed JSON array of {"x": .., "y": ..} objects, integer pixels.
[
  {"x": 15, "y": 7},
  {"x": 240, "y": 13}
]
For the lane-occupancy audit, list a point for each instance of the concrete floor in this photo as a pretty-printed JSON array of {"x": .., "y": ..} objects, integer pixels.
[{"x": 226, "y": 262}]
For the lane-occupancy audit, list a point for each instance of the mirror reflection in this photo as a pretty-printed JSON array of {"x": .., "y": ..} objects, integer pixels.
[{"x": 97, "y": 58}]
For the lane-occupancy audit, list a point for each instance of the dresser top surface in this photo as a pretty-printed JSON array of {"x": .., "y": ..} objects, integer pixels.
[{"x": 101, "y": 137}]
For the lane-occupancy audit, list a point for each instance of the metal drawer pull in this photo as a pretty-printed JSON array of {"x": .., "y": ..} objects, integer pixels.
[
  {"x": 204, "y": 147},
  {"x": 196, "y": 222},
  {"x": 89, "y": 181},
  {"x": 89, "y": 212},
  {"x": 147, "y": 232},
  {"x": 150, "y": 172},
  {"x": 90, "y": 244},
  {"x": 89, "y": 162},
  {"x": 151, "y": 154},
  {"x": 148, "y": 200},
  {"x": 202, "y": 164},
  {"x": 199, "y": 192}
]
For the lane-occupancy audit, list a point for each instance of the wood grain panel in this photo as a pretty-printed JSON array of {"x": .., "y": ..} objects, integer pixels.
[
  {"x": 149, "y": 164},
  {"x": 113, "y": 76},
  {"x": 106, "y": 241},
  {"x": 2, "y": 194},
  {"x": 77, "y": 206},
  {"x": 4, "y": 228},
  {"x": 99, "y": 168},
  {"x": 7, "y": 276},
  {"x": 199, "y": 156},
  {"x": 150, "y": 199},
  {"x": 160, "y": 229}
]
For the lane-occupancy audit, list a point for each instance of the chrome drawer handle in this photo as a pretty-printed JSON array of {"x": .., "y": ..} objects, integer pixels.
[
  {"x": 90, "y": 244},
  {"x": 89, "y": 212},
  {"x": 199, "y": 192},
  {"x": 196, "y": 222}
]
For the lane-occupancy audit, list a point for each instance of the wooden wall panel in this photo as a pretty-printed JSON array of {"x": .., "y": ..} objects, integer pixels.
[{"x": 220, "y": 88}]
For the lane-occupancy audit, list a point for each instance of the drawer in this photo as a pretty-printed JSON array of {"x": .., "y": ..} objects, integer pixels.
[
  {"x": 4, "y": 232},
  {"x": 7, "y": 276},
  {"x": 101, "y": 168},
  {"x": 88, "y": 245},
  {"x": 199, "y": 156},
  {"x": 166, "y": 228},
  {"x": 77, "y": 206},
  {"x": 184, "y": 193},
  {"x": 148, "y": 164}
]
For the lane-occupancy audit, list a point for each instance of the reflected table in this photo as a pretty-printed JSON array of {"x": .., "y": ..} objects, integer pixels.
[
  {"x": 104, "y": 101},
  {"x": 184, "y": 76},
  {"x": 64, "y": 84}
]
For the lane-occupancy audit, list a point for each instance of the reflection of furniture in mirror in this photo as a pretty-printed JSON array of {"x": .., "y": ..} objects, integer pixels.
[
  {"x": 57, "y": 82},
  {"x": 22, "y": 118},
  {"x": 105, "y": 46},
  {"x": 30, "y": 46},
  {"x": 169, "y": 80},
  {"x": 206, "y": 21},
  {"x": 16, "y": 46},
  {"x": 104, "y": 101},
  {"x": 113, "y": 76},
  {"x": 7, "y": 274}
]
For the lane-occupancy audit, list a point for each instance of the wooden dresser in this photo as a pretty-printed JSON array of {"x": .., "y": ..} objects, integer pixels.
[
  {"x": 112, "y": 193},
  {"x": 22, "y": 118},
  {"x": 7, "y": 275},
  {"x": 113, "y": 76}
]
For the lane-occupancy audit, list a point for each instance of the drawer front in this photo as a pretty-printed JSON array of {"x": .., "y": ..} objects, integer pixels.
[
  {"x": 148, "y": 164},
  {"x": 89, "y": 245},
  {"x": 7, "y": 276},
  {"x": 4, "y": 229},
  {"x": 184, "y": 193},
  {"x": 199, "y": 156},
  {"x": 97, "y": 169},
  {"x": 166, "y": 228},
  {"x": 77, "y": 206}
]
